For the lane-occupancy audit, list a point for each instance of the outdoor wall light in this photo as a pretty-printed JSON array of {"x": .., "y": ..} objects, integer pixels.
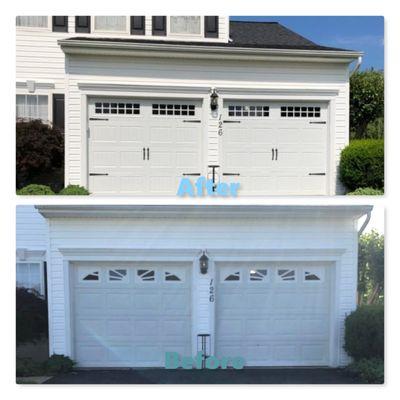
[
  {"x": 214, "y": 99},
  {"x": 203, "y": 263}
]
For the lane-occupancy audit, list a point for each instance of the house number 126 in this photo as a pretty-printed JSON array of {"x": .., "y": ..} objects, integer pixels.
[
  {"x": 220, "y": 131},
  {"x": 212, "y": 296}
]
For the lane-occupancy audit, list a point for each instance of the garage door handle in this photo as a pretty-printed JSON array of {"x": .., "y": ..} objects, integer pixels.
[
  {"x": 148, "y": 154},
  {"x": 98, "y": 119},
  {"x": 191, "y": 174},
  {"x": 95, "y": 174},
  {"x": 229, "y": 121},
  {"x": 276, "y": 154},
  {"x": 230, "y": 174},
  {"x": 317, "y": 173},
  {"x": 318, "y": 122},
  {"x": 195, "y": 121}
]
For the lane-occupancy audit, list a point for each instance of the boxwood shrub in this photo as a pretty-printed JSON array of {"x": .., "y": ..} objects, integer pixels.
[
  {"x": 33, "y": 189},
  {"x": 362, "y": 164},
  {"x": 74, "y": 190},
  {"x": 368, "y": 370},
  {"x": 366, "y": 192},
  {"x": 364, "y": 332}
]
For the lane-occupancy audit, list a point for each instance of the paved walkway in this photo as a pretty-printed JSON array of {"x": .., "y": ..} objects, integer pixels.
[{"x": 244, "y": 376}]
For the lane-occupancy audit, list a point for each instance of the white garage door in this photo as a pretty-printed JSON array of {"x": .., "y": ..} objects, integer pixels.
[
  {"x": 277, "y": 148},
  {"x": 129, "y": 315},
  {"x": 142, "y": 147},
  {"x": 274, "y": 315}
]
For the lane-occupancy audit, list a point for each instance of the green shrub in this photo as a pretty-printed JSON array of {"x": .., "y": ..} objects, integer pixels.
[
  {"x": 31, "y": 316},
  {"x": 33, "y": 189},
  {"x": 366, "y": 192},
  {"x": 58, "y": 364},
  {"x": 364, "y": 332},
  {"x": 76, "y": 190},
  {"x": 39, "y": 154},
  {"x": 362, "y": 164},
  {"x": 368, "y": 370},
  {"x": 375, "y": 129},
  {"x": 29, "y": 367}
]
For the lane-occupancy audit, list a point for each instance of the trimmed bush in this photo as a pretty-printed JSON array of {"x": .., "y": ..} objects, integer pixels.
[
  {"x": 58, "y": 364},
  {"x": 31, "y": 316},
  {"x": 74, "y": 190},
  {"x": 366, "y": 192},
  {"x": 29, "y": 367},
  {"x": 33, "y": 189},
  {"x": 368, "y": 370},
  {"x": 364, "y": 332},
  {"x": 39, "y": 154},
  {"x": 362, "y": 164}
]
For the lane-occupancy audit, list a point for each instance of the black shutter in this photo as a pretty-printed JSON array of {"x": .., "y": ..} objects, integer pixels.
[
  {"x": 82, "y": 24},
  {"x": 60, "y": 24},
  {"x": 211, "y": 26},
  {"x": 58, "y": 111},
  {"x": 137, "y": 25},
  {"x": 159, "y": 26}
]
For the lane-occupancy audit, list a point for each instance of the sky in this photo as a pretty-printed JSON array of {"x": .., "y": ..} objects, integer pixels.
[{"x": 353, "y": 33}]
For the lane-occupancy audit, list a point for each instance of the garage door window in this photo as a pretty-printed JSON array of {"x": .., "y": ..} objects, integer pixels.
[
  {"x": 174, "y": 109},
  {"x": 248, "y": 111},
  {"x": 313, "y": 275},
  {"x": 229, "y": 276},
  {"x": 117, "y": 108},
  {"x": 146, "y": 275},
  {"x": 258, "y": 275},
  {"x": 286, "y": 275},
  {"x": 300, "y": 112},
  {"x": 118, "y": 275},
  {"x": 89, "y": 275},
  {"x": 173, "y": 276}
]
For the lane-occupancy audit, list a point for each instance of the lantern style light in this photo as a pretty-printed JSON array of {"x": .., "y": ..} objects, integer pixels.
[
  {"x": 203, "y": 263},
  {"x": 213, "y": 99}
]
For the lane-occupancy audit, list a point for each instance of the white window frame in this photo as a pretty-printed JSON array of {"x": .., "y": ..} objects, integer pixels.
[
  {"x": 259, "y": 282},
  {"x": 319, "y": 271},
  {"x": 282, "y": 281},
  {"x": 82, "y": 271},
  {"x": 193, "y": 35},
  {"x": 105, "y": 32},
  {"x": 41, "y": 272},
  {"x": 231, "y": 271},
  {"x": 123, "y": 281},
  {"x": 179, "y": 272},
  {"x": 48, "y": 28},
  {"x": 38, "y": 93},
  {"x": 139, "y": 280}
]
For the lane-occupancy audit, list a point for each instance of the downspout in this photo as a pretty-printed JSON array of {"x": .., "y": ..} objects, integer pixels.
[
  {"x": 357, "y": 66},
  {"x": 364, "y": 225}
]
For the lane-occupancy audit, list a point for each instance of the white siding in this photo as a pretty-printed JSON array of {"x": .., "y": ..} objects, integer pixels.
[
  {"x": 31, "y": 229},
  {"x": 195, "y": 233},
  {"x": 204, "y": 73}
]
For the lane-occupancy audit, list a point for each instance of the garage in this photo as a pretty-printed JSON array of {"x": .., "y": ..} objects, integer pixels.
[
  {"x": 275, "y": 148},
  {"x": 143, "y": 147},
  {"x": 130, "y": 314},
  {"x": 274, "y": 314}
]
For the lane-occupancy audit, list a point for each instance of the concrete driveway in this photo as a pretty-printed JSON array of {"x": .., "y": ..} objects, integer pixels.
[{"x": 231, "y": 376}]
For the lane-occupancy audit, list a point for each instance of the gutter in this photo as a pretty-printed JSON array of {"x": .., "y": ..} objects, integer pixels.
[
  {"x": 364, "y": 225},
  {"x": 357, "y": 66},
  {"x": 194, "y": 51}
]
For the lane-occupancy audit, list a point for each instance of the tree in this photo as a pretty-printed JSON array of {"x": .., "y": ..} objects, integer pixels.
[
  {"x": 371, "y": 268},
  {"x": 366, "y": 102}
]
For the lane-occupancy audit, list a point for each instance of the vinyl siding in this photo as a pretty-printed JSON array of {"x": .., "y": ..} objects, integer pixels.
[
  {"x": 31, "y": 228},
  {"x": 250, "y": 234}
]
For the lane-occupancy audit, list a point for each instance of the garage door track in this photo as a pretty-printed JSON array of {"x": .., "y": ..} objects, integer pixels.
[{"x": 230, "y": 376}]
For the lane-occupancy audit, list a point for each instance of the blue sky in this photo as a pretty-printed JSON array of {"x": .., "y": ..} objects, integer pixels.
[{"x": 355, "y": 33}]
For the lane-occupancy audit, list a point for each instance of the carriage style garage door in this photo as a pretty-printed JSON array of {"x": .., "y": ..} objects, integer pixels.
[
  {"x": 277, "y": 148},
  {"x": 274, "y": 315},
  {"x": 129, "y": 315},
  {"x": 142, "y": 147}
]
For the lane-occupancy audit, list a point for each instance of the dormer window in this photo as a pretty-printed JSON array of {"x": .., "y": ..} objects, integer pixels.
[{"x": 185, "y": 25}]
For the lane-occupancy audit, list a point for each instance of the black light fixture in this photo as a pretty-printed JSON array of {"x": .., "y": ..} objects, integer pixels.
[
  {"x": 214, "y": 99},
  {"x": 203, "y": 263}
]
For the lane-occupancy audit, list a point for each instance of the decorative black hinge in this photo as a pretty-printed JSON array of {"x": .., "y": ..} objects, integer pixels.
[
  {"x": 96, "y": 174},
  {"x": 317, "y": 173},
  {"x": 98, "y": 119}
]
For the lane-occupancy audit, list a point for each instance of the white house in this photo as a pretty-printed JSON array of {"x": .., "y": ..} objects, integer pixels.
[
  {"x": 126, "y": 284},
  {"x": 151, "y": 99}
]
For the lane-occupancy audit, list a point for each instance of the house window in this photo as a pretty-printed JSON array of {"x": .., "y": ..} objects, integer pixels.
[
  {"x": 29, "y": 276},
  {"x": 33, "y": 21},
  {"x": 110, "y": 24},
  {"x": 300, "y": 112},
  {"x": 185, "y": 25},
  {"x": 118, "y": 275},
  {"x": 286, "y": 275},
  {"x": 258, "y": 275},
  {"x": 117, "y": 108},
  {"x": 174, "y": 109},
  {"x": 32, "y": 107},
  {"x": 146, "y": 275},
  {"x": 248, "y": 111}
]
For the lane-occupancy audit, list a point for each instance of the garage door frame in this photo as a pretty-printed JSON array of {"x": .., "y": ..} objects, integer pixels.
[
  {"x": 293, "y": 95},
  {"x": 138, "y": 93},
  {"x": 324, "y": 256},
  {"x": 72, "y": 256}
]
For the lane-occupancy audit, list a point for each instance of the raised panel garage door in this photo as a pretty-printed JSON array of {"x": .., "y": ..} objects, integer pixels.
[
  {"x": 274, "y": 315},
  {"x": 142, "y": 147},
  {"x": 277, "y": 148},
  {"x": 129, "y": 315}
]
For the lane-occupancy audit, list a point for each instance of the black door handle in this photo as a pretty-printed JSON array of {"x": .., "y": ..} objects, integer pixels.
[
  {"x": 95, "y": 174},
  {"x": 317, "y": 173},
  {"x": 273, "y": 152},
  {"x": 148, "y": 154},
  {"x": 144, "y": 153},
  {"x": 276, "y": 155},
  {"x": 230, "y": 174},
  {"x": 191, "y": 174}
]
